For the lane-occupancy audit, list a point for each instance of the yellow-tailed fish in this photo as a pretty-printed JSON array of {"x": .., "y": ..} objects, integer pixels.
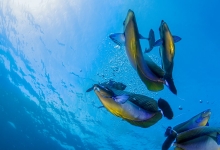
[
  {"x": 136, "y": 109},
  {"x": 201, "y": 138},
  {"x": 199, "y": 120},
  {"x": 167, "y": 52},
  {"x": 130, "y": 39}
]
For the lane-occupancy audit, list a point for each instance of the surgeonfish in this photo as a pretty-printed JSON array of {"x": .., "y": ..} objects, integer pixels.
[
  {"x": 130, "y": 39},
  {"x": 199, "y": 120},
  {"x": 138, "y": 110},
  {"x": 111, "y": 84},
  {"x": 201, "y": 138},
  {"x": 151, "y": 39},
  {"x": 167, "y": 52}
]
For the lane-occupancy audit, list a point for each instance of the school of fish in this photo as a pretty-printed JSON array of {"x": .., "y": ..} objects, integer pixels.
[{"x": 143, "y": 111}]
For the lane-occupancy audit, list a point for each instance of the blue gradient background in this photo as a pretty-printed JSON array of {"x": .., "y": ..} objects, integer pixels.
[{"x": 52, "y": 51}]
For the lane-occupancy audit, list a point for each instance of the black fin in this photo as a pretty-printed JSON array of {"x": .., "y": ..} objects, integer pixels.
[
  {"x": 169, "y": 140},
  {"x": 168, "y": 131},
  {"x": 90, "y": 89},
  {"x": 101, "y": 107},
  {"x": 165, "y": 107},
  {"x": 171, "y": 85}
]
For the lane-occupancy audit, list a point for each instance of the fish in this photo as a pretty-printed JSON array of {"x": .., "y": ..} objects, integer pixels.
[
  {"x": 111, "y": 84},
  {"x": 130, "y": 39},
  {"x": 151, "y": 39},
  {"x": 202, "y": 138},
  {"x": 136, "y": 109},
  {"x": 200, "y": 143},
  {"x": 199, "y": 120},
  {"x": 167, "y": 52}
]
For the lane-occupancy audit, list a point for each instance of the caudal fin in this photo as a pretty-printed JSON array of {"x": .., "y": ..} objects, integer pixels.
[
  {"x": 170, "y": 84},
  {"x": 167, "y": 143},
  {"x": 151, "y": 40},
  {"x": 168, "y": 131},
  {"x": 165, "y": 107}
]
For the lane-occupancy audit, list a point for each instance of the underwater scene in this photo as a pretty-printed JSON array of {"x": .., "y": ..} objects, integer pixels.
[{"x": 109, "y": 75}]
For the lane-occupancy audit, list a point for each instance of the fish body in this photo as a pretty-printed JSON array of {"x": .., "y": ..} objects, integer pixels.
[
  {"x": 202, "y": 138},
  {"x": 138, "y": 110},
  {"x": 200, "y": 119},
  {"x": 167, "y": 49},
  {"x": 167, "y": 52},
  {"x": 133, "y": 48},
  {"x": 200, "y": 143},
  {"x": 128, "y": 110},
  {"x": 130, "y": 39}
]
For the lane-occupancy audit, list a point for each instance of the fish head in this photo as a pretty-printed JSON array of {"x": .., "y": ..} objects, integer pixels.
[
  {"x": 129, "y": 18},
  {"x": 163, "y": 28},
  {"x": 102, "y": 91},
  {"x": 202, "y": 118}
]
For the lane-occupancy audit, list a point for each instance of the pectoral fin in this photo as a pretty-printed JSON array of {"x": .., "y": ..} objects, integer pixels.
[
  {"x": 121, "y": 98},
  {"x": 176, "y": 38},
  {"x": 142, "y": 37},
  {"x": 118, "y": 38},
  {"x": 158, "y": 42}
]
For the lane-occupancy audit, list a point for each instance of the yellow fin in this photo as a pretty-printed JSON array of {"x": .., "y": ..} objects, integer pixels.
[{"x": 151, "y": 85}]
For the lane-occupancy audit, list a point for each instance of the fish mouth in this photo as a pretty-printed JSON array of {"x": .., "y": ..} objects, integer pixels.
[
  {"x": 129, "y": 17},
  {"x": 206, "y": 113},
  {"x": 163, "y": 26},
  {"x": 96, "y": 89}
]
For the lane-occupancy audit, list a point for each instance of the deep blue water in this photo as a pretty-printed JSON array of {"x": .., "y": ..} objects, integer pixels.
[{"x": 52, "y": 51}]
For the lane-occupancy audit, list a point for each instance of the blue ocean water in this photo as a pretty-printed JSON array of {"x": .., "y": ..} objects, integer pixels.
[{"x": 51, "y": 52}]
